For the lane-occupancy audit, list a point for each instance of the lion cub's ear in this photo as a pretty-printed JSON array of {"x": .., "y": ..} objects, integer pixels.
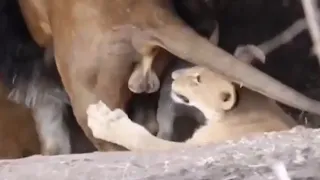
[
  {"x": 228, "y": 100},
  {"x": 228, "y": 97}
]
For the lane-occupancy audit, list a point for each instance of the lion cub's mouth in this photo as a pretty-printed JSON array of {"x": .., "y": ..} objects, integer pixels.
[{"x": 179, "y": 98}]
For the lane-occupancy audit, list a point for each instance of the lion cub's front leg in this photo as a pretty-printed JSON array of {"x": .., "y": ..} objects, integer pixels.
[{"x": 115, "y": 126}]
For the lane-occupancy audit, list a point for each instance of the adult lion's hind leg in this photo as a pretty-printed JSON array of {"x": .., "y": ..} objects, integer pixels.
[
  {"x": 143, "y": 77},
  {"x": 115, "y": 126},
  {"x": 140, "y": 81}
]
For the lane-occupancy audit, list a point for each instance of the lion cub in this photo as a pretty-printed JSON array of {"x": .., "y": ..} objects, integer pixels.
[
  {"x": 252, "y": 112},
  {"x": 228, "y": 117}
]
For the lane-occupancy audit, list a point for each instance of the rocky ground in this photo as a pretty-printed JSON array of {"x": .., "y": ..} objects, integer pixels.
[{"x": 268, "y": 156}]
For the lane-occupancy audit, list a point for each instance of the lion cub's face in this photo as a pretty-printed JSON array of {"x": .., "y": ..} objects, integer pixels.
[{"x": 203, "y": 89}]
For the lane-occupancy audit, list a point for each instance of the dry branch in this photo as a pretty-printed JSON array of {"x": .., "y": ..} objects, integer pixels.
[
  {"x": 311, "y": 13},
  {"x": 253, "y": 158},
  {"x": 284, "y": 37}
]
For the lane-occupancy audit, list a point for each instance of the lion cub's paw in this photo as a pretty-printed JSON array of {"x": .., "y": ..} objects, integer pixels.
[
  {"x": 139, "y": 83},
  {"x": 106, "y": 124}
]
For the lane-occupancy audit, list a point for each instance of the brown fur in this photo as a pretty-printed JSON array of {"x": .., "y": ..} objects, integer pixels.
[
  {"x": 97, "y": 42},
  {"x": 18, "y": 135},
  {"x": 143, "y": 78}
]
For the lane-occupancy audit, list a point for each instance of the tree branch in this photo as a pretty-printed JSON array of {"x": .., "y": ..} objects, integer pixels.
[
  {"x": 271, "y": 155},
  {"x": 310, "y": 11}
]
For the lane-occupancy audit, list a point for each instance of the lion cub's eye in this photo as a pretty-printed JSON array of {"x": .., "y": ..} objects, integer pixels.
[{"x": 197, "y": 79}]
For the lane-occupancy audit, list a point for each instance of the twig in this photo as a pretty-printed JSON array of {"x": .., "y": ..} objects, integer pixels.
[
  {"x": 314, "y": 30},
  {"x": 284, "y": 37}
]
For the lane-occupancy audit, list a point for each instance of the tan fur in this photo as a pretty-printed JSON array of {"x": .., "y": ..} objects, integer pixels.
[
  {"x": 187, "y": 82},
  {"x": 253, "y": 113},
  {"x": 18, "y": 135},
  {"x": 215, "y": 97},
  {"x": 170, "y": 113},
  {"x": 96, "y": 43}
]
